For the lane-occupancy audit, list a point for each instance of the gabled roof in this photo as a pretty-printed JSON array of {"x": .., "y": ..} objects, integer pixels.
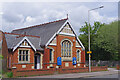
[
  {"x": 45, "y": 31},
  {"x": 14, "y": 39}
]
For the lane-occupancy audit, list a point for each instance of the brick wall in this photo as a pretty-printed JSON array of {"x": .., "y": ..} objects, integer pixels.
[
  {"x": 57, "y": 53},
  {"x": 4, "y": 52},
  {"x": 15, "y": 63},
  {"x": 52, "y": 71}
]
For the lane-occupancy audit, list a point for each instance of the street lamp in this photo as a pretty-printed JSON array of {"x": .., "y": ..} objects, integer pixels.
[{"x": 89, "y": 37}]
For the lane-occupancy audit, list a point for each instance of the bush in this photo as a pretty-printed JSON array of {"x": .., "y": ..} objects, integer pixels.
[
  {"x": 10, "y": 74},
  {"x": 98, "y": 65}
]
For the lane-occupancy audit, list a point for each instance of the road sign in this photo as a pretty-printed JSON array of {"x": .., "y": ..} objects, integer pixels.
[{"x": 89, "y": 52}]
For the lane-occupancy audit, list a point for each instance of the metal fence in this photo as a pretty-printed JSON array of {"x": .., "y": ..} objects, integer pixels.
[{"x": 103, "y": 63}]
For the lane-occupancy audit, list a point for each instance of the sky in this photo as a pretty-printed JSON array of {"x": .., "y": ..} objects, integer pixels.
[{"x": 15, "y": 15}]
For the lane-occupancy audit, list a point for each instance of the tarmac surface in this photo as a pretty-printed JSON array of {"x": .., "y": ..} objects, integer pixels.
[{"x": 111, "y": 71}]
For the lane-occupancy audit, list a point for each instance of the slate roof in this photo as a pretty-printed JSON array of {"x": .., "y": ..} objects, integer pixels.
[
  {"x": 13, "y": 39},
  {"x": 45, "y": 31}
]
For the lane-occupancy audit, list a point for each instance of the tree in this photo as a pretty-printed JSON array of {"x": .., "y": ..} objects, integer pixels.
[
  {"x": 93, "y": 33},
  {"x": 107, "y": 39}
]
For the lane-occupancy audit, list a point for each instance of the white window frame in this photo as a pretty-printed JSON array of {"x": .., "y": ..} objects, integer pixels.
[
  {"x": 79, "y": 55},
  {"x": 28, "y": 56},
  {"x": 52, "y": 54},
  {"x": 66, "y": 58}
]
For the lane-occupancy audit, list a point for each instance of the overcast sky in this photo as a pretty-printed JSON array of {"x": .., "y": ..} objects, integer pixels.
[{"x": 17, "y": 15}]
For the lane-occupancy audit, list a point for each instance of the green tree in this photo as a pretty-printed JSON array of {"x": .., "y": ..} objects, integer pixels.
[
  {"x": 93, "y": 33},
  {"x": 107, "y": 39}
]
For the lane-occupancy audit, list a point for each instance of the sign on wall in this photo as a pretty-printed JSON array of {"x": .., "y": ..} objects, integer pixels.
[
  {"x": 74, "y": 61},
  {"x": 59, "y": 61}
]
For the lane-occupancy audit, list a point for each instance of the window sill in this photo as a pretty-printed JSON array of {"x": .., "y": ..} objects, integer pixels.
[{"x": 23, "y": 63}]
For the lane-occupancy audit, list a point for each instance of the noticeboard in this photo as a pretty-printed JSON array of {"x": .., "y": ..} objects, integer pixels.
[
  {"x": 59, "y": 62},
  {"x": 74, "y": 61}
]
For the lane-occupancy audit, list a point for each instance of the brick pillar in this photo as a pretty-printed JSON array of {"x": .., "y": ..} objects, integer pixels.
[{"x": 46, "y": 57}]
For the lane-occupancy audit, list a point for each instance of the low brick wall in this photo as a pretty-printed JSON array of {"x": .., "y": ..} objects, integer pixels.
[
  {"x": 101, "y": 68},
  {"x": 54, "y": 71},
  {"x": 76, "y": 70},
  {"x": 118, "y": 67},
  {"x": 32, "y": 72},
  {"x": 73, "y": 70}
]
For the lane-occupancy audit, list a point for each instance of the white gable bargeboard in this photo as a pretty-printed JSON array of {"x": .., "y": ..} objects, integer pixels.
[
  {"x": 61, "y": 31},
  {"x": 22, "y": 45},
  {"x": 25, "y": 44},
  {"x": 77, "y": 44},
  {"x": 67, "y": 31},
  {"x": 53, "y": 42}
]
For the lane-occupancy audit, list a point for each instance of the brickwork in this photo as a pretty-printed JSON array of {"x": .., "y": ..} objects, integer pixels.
[{"x": 52, "y": 71}]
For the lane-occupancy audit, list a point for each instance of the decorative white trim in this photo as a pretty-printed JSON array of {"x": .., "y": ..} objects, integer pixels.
[
  {"x": 84, "y": 65},
  {"x": 23, "y": 66},
  {"x": 61, "y": 29},
  {"x": 25, "y": 38},
  {"x": 80, "y": 43},
  {"x": 76, "y": 35},
  {"x": 57, "y": 67},
  {"x": 66, "y": 39},
  {"x": 68, "y": 34},
  {"x": 48, "y": 67},
  {"x": 55, "y": 34},
  {"x": 14, "y": 67},
  {"x": 32, "y": 67},
  {"x": 74, "y": 66},
  {"x": 51, "y": 65},
  {"x": 52, "y": 44},
  {"x": 78, "y": 64},
  {"x": 78, "y": 46},
  {"x": 25, "y": 46}
]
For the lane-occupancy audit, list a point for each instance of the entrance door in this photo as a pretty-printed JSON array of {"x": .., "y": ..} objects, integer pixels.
[{"x": 37, "y": 61}]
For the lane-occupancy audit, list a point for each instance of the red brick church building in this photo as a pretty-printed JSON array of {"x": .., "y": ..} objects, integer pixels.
[{"x": 51, "y": 45}]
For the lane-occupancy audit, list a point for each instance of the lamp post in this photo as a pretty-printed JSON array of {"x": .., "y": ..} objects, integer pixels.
[{"x": 89, "y": 37}]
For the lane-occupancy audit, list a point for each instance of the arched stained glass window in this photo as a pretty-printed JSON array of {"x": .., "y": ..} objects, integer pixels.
[{"x": 66, "y": 48}]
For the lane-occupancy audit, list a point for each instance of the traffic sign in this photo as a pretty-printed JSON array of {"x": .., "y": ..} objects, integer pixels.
[{"x": 89, "y": 52}]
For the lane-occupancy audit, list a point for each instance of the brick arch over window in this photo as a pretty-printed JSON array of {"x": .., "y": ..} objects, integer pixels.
[{"x": 66, "y": 48}]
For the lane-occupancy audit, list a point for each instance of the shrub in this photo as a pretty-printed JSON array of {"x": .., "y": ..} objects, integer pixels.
[
  {"x": 98, "y": 64},
  {"x": 10, "y": 74}
]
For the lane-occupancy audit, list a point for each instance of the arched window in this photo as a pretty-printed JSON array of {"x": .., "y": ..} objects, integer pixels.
[
  {"x": 51, "y": 54},
  {"x": 78, "y": 55},
  {"x": 66, "y": 49}
]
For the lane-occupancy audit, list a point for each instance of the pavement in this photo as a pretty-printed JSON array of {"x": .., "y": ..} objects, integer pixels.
[{"x": 80, "y": 75}]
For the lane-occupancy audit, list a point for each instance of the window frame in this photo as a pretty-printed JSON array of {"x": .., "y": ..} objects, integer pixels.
[
  {"x": 79, "y": 55},
  {"x": 66, "y": 58},
  {"x": 24, "y": 55},
  {"x": 52, "y": 61}
]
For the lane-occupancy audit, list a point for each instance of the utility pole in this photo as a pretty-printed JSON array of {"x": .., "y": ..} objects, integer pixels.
[{"x": 89, "y": 36}]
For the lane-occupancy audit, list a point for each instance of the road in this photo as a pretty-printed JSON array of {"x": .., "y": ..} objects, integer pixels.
[
  {"x": 111, "y": 73},
  {"x": 106, "y": 76}
]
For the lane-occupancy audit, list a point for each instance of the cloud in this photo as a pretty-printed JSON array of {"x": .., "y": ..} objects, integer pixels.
[{"x": 19, "y": 15}]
